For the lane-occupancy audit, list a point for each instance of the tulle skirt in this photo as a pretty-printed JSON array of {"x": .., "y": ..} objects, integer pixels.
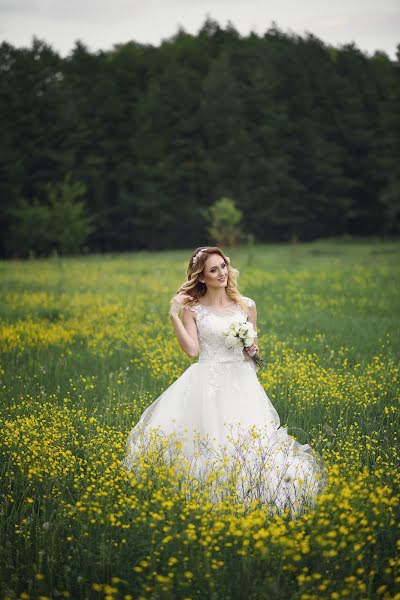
[{"x": 224, "y": 422}]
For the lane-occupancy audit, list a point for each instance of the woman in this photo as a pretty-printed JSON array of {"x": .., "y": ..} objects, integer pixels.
[{"x": 217, "y": 408}]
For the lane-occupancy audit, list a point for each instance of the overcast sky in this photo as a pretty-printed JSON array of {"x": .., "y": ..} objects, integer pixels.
[{"x": 371, "y": 24}]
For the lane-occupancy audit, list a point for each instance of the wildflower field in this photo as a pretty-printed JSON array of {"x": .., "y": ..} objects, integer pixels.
[{"x": 86, "y": 344}]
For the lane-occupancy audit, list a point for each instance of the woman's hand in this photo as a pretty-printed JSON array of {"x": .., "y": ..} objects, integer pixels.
[
  {"x": 251, "y": 350},
  {"x": 177, "y": 303}
]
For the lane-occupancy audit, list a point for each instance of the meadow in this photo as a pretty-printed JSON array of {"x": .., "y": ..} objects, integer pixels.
[{"x": 86, "y": 344}]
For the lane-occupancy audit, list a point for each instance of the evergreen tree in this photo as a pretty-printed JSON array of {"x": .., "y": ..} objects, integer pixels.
[{"x": 304, "y": 136}]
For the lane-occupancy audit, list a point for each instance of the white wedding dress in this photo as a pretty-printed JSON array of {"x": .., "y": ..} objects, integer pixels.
[{"x": 219, "y": 409}]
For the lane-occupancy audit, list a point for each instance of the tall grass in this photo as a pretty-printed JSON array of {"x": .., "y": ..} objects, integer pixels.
[{"x": 86, "y": 345}]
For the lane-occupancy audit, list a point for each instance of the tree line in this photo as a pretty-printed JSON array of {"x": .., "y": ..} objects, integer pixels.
[{"x": 129, "y": 147}]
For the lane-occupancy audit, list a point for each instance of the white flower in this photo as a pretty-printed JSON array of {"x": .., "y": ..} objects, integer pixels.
[
  {"x": 233, "y": 342},
  {"x": 250, "y": 328},
  {"x": 239, "y": 335},
  {"x": 248, "y": 340}
]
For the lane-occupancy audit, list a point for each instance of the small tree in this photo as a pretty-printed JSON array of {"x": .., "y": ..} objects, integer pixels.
[
  {"x": 224, "y": 219},
  {"x": 71, "y": 225},
  {"x": 58, "y": 223},
  {"x": 30, "y": 231}
]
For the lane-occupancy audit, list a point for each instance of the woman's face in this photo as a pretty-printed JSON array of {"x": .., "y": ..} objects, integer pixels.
[{"x": 215, "y": 273}]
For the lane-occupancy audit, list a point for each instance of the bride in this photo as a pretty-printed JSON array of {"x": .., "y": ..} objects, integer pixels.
[{"x": 217, "y": 408}]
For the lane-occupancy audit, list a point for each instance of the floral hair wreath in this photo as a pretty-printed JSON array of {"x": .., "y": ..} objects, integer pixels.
[
  {"x": 199, "y": 253},
  {"x": 196, "y": 257}
]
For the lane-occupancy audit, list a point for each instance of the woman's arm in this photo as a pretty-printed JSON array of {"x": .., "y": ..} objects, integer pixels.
[
  {"x": 252, "y": 318},
  {"x": 252, "y": 315},
  {"x": 185, "y": 330}
]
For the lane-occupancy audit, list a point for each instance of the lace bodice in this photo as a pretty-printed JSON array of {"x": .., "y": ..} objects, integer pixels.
[{"x": 211, "y": 324}]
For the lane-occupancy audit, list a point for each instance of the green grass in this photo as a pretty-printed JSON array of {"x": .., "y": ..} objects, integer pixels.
[{"x": 86, "y": 345}]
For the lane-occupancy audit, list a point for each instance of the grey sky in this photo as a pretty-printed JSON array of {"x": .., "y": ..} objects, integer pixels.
[{"x": 371, "y": 24}]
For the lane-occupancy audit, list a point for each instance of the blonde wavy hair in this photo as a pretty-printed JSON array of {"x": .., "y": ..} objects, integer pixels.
[{"x": 196, "y": 289}]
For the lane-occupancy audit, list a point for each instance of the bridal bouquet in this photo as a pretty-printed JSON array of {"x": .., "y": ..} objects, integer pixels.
[{"x": 242, "y": 335}]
